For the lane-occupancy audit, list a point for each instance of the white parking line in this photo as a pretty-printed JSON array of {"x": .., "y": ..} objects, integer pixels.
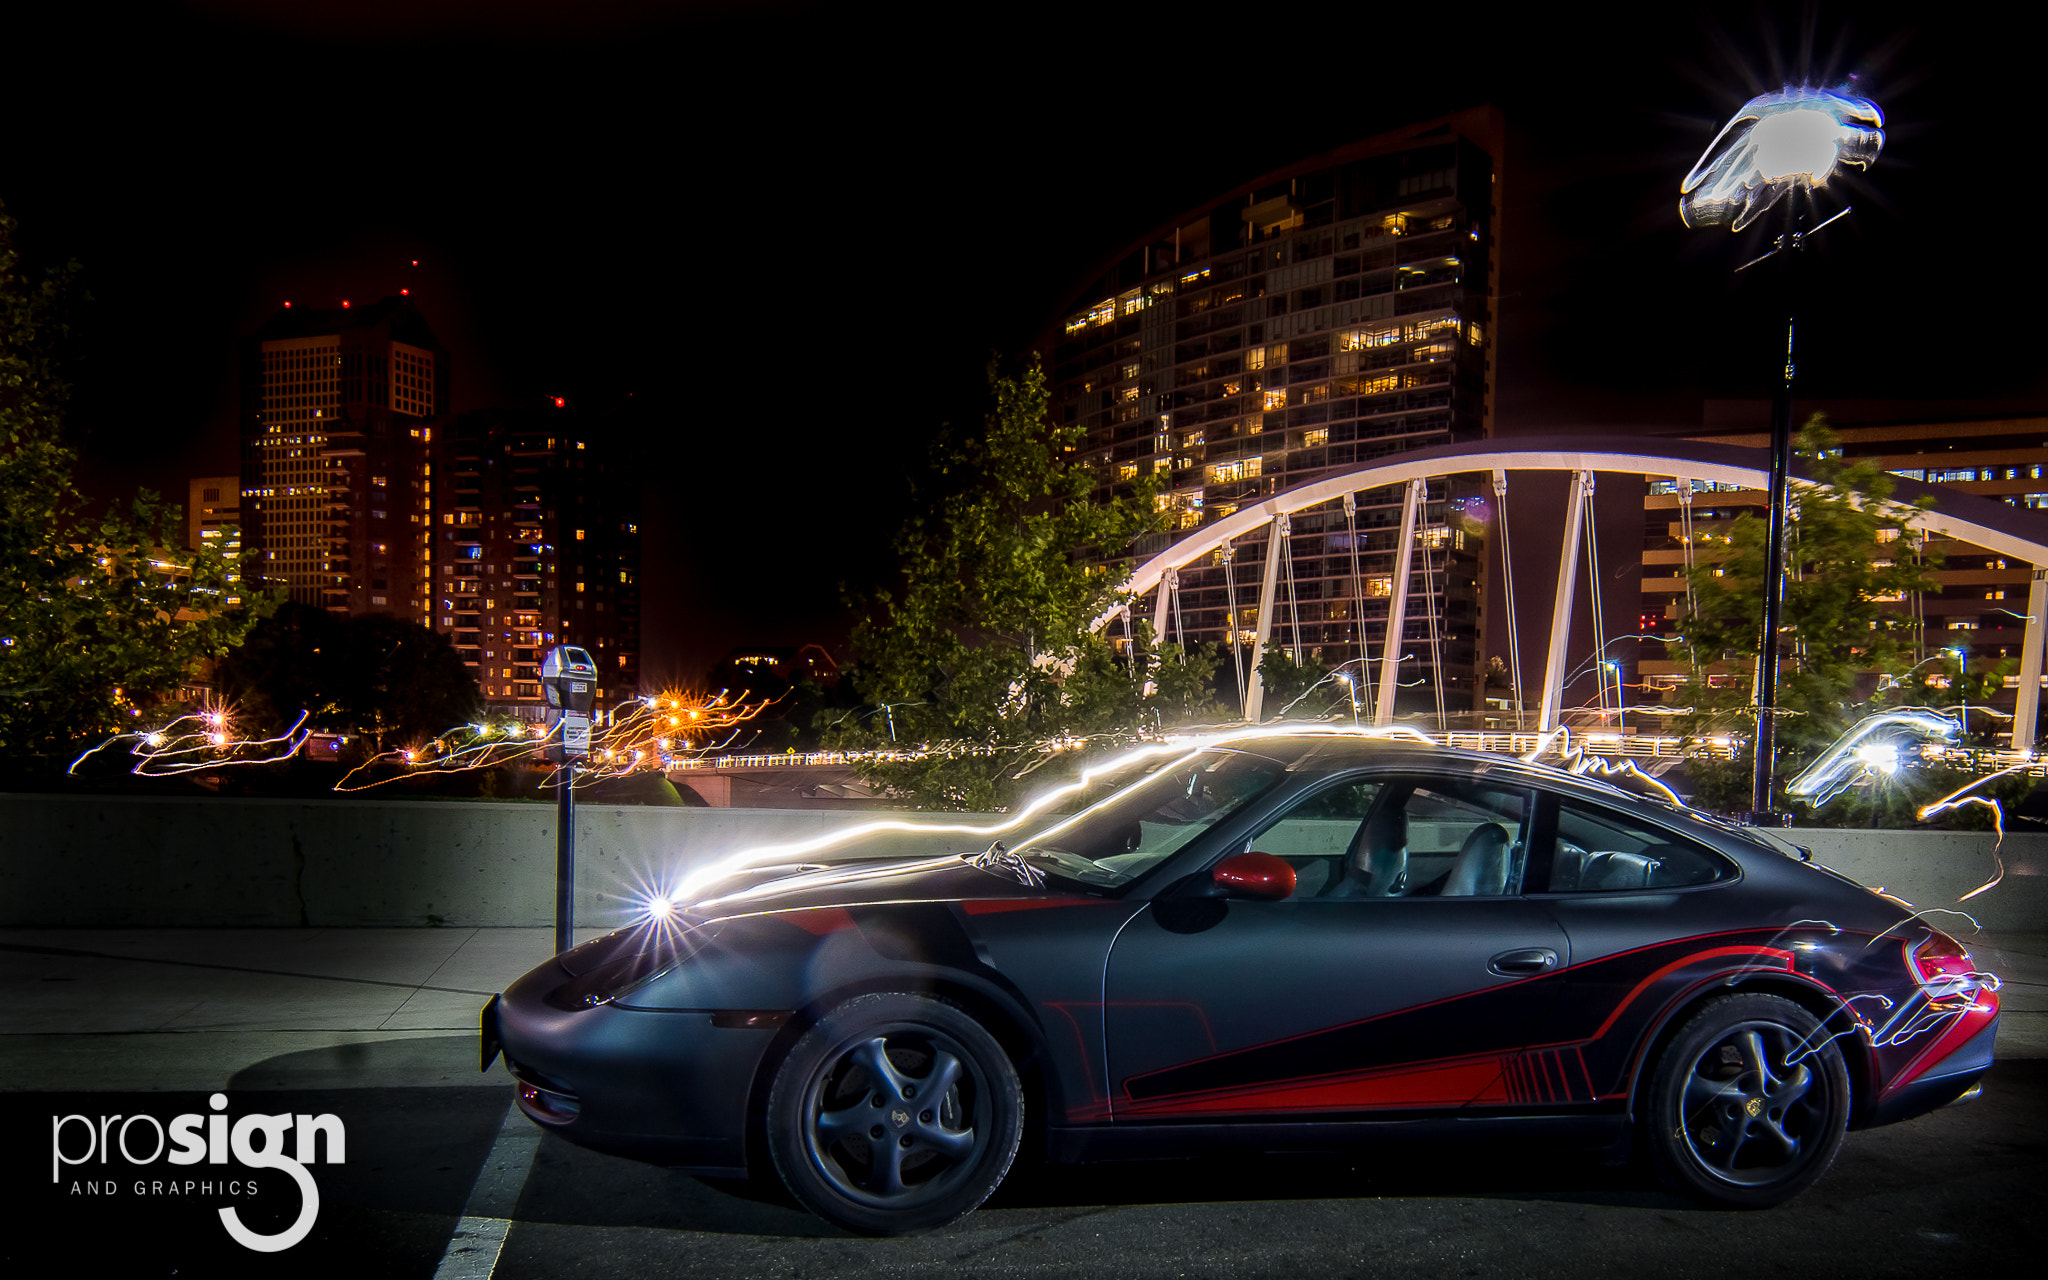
[{"x": 472, "y": 1252}]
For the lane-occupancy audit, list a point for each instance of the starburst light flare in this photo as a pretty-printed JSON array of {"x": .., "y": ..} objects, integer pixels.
[
  {"x": 1778, "y": 141},
  {"x": 1870, "y": 748}
]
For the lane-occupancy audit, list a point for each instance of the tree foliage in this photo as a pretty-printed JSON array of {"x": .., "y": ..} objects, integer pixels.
[
  {"x": 985, "y": 656},
  {"x": 383, "y": 679},
  {"x": 1846, "y": 650},
  {"x": 99, "y": 616}
]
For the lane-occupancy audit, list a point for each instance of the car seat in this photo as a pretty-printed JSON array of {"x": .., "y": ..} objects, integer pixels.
[
  {"x": 1481, "y": 868},
  {"x": 1376, "y": 865}
]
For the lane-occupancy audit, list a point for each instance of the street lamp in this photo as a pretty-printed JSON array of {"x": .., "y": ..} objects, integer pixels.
[
  {"x": 1615, "y": 667},
  {"x": 1351, "y": 688},
  {"x": 1784, "y": 144}
]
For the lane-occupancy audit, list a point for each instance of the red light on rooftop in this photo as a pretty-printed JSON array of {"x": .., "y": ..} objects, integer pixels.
[
  {"x": 561, "y": 403},
  {"x": 344, "y": 302},
  {"x": 403, "y": 293}
]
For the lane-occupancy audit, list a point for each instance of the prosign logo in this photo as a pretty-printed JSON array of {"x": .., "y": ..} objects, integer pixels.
[{"x": 142, "y": 1140}]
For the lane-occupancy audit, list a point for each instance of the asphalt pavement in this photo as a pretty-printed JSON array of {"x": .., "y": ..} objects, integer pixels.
[{"x": 377, "y": 1028}]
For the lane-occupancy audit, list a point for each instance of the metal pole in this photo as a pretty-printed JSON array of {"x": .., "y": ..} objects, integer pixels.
[
  {"x": 2027, "y": 709},
  {"x": 565, "y": 856},
  {"x": 1255, "y": 685},
  {"x": 1397, "y": 609},
  {"x": 1561, "y": 603},
  {"x": 1761, "y": 789}
]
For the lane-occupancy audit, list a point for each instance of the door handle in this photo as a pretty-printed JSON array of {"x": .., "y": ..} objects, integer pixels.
[{"x": 1509, "y": 964}]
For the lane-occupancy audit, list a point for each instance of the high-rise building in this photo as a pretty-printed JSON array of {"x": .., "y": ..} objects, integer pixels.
[
  {"x": 1312, "y": 320},
  {"x": 536, "y": 542},
  {"x": 1979, "y": 606},
  {"x": 213, "y": 514},
  {"x": 339, "y": 407}
]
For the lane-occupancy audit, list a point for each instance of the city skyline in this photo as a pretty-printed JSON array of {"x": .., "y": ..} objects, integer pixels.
[{"x": 820, "y": 291}]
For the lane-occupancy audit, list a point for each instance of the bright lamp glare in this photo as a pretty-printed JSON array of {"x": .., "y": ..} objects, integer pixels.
[
  {"x": 1797, "y": 144},
  {"x": 1778, "y": 141},
  {"x": 1881, "y": 757},
  {"x": 661, "y": 908}
]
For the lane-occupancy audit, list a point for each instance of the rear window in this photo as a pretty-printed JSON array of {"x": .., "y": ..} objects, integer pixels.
[{"x": 1600, "y": 851}]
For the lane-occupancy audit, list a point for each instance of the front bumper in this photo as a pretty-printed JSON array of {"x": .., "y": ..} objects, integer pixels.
[{"x": 665, "y": 1086}]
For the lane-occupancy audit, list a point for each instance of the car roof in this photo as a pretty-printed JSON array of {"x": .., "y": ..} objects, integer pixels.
[{"x": 1336, "y": 748}]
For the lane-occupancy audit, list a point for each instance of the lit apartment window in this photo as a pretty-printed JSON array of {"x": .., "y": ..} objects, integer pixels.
[{"x": 1276, "y": 400}]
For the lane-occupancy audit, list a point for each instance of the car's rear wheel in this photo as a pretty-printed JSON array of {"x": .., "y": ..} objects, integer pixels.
[
  {"x": 894, "y": 1113},
  {"x": 1748, "y": 1103}
]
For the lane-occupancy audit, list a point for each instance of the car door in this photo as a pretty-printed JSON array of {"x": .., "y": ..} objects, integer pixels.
[{"x": 1368, "y": 989}]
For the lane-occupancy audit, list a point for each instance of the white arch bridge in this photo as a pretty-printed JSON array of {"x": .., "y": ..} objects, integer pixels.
[{"x": 1995, "y": 526}]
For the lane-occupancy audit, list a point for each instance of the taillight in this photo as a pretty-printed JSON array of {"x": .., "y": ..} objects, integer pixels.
[{"x": 1939, "y": 959}]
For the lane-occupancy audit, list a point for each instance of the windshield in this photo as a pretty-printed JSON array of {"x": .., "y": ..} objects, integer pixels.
[{"x": 1126, "y": 835}]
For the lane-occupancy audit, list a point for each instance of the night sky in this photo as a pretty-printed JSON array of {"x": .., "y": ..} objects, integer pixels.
[{"x": 795, "y": 234}]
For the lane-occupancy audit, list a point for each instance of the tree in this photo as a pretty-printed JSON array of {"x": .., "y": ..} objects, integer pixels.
[
  {"x": 1307, "y": 689},
  {"x": 1852, "y": 550},
  {"x": 985, "y": 659},
  {"x": 384, "y": 679},
  {"x": 99, "y": 617}
]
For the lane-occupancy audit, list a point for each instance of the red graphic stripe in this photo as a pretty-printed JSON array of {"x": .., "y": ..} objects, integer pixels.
[
  {"x": 1450, "y": 1084},
  {"x": 1713, "y": 953}
]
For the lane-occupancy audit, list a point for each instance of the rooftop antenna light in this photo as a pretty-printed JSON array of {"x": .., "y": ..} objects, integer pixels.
[{"x": 1787, "y": 143}]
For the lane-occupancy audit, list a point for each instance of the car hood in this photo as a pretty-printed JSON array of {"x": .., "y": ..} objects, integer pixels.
[{"x": 869, "y": 881}]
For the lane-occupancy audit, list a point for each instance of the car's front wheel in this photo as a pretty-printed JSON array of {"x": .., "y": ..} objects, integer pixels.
[
  {"x": 1749, "y": 1102},
  {"x": 894, "y": 1113}
]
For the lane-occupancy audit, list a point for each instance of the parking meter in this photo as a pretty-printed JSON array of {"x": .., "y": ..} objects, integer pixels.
[{"x": 569, "y": 678}]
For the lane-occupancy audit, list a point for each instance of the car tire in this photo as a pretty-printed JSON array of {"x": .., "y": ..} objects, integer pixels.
[
  {"x": 1748, "y": 1103},
  {"x": 894, "y": 1113}
]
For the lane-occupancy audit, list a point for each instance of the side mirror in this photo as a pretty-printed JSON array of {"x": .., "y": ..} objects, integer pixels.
[{"x": 1254, "y": 875}]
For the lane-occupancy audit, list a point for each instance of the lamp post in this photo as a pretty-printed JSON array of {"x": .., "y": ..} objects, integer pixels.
[{"x": 1780, "y": 147}]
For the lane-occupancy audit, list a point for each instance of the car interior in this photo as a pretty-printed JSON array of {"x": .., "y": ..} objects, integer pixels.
[
  {"x": 1442, "y": 837},
  {"x": 1433, "y": 838}
]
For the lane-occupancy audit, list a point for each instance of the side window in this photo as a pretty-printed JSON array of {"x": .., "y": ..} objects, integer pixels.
[
  {"x": 1314, "y": 836},
  {"x": 1599, "y": 851},
  {"x": 1404, "y": 838},
  {"x": 1465, "y": 838}
]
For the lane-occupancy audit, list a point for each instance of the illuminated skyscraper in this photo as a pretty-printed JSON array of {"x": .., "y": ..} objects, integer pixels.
[
  {"x": 338, "y": 410},
  {"x": 536, "y": 542},
  {"x": 1310, "y": 321}
]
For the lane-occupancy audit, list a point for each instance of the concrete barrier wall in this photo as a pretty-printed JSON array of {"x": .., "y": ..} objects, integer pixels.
[
  {"x": 97, "y": 861},
  {"x": 1934, "y": 869}
]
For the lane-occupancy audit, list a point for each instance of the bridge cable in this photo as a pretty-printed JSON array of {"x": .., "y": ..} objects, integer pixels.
[
  {"x": 1230, "y": 621},
  {"x": 1507, "y": 562},
  {"x": 1599, "y": 598},
  {"x": 1358, "y": 602},
  {"x": 1293, "y": 607},
  {"x": 1180, "y": 627},
  {"x": 1433, "y": 601},
  {"x": 1131, "y": 651}
]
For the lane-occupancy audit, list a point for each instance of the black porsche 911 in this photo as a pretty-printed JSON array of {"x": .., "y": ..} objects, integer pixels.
[{"x": 1278, "y": 941}]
